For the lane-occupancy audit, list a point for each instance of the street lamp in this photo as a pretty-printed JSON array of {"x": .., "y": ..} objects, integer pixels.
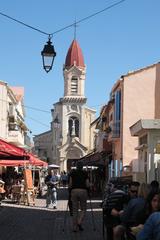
[
  {"x": 48, "y": 55},
  {"x": 56, "y": 122},
  {"x": 60, "y": 138}
]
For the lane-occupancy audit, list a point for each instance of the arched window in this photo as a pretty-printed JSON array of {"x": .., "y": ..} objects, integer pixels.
[
  {"x": 74, "y": 85},
  {"x": 70, "y": 124},
  {"x": 73, "y": 126}
]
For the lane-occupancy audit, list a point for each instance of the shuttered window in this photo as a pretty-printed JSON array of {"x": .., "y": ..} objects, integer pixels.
[{"x": 74, "y": 85}]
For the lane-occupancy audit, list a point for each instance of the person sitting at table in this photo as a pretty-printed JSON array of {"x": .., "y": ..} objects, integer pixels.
[{"x": 2, "y": 191}]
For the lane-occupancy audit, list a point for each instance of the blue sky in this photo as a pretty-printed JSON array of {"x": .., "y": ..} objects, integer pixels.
[{"x": 114, "y": 42}]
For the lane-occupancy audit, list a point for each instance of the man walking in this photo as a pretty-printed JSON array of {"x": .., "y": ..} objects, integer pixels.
[
  {"x": 51, "y": 182},
  {"x": 79, "y": 184}
]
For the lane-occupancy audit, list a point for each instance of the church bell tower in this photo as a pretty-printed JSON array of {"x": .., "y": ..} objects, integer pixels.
[{"x": 74, "y": 117}]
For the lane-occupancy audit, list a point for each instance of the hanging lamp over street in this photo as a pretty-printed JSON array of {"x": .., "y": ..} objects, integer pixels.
[{"x": 48, "y": 55}]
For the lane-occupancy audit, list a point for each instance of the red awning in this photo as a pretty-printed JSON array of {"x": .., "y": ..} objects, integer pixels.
[
  {"x": 12, "y": 155},
  {"x": 13, "y": 163},
  {"x": 36, "y": 161},
  {"x": 8, "y": 149}
]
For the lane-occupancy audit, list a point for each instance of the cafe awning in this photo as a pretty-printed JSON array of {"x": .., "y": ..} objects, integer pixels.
[
  {"x": 9, "y": 150},
  {"x": 36, "y": 161},
  {"x": 11, "y": 155},
  {"x": 19, "y": 163},
  {"x": 13, "y": 163},
  {"x": 94, "y": 159}
]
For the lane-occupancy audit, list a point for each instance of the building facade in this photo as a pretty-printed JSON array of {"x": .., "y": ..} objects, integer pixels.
[
  {"x": 71, "y": 133},
  {"x": 133, "y": 97},
  {"x": 148, "y": 148},
  {"x": 12, "y": 124}
]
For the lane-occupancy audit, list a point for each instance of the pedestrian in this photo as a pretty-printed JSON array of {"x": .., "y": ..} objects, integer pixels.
[
  {"x": 51, "y": 182},
  {"x": 2, "y": 191},
  {"x": 128, "y": 218},
  {"x": 79, "y": 185},
  {"x": 151, "y": 230},
  {"x": 115, "y": 203},
  {"x": 64, "y": 178},
  {"x": 154, "y": 186},
  {"x": 152, "y": 205},
  {"x": 133, "y": 190}
]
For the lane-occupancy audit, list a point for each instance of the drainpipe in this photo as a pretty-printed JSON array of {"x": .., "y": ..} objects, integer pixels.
[{"x": 121, "y": 120}]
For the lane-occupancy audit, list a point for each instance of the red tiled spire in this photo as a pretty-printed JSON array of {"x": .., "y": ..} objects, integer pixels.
[{"x": 74, "y": 55}]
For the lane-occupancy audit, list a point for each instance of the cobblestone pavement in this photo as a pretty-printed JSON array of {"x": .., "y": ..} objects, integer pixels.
[{"x": 19, "y": 222}]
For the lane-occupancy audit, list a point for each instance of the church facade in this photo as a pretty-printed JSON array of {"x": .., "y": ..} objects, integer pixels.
[{"x": 71, "y": 135}]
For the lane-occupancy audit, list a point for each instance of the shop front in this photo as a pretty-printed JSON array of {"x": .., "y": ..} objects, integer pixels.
[{"x": 96, "y": 164}]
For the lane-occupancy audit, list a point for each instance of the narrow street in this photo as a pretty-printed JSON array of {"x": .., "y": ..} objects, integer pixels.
[{"x": 18, "y": 222}]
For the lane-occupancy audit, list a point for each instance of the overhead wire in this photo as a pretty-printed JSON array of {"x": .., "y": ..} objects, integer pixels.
[
  {"x": 68, "y": 26},
  {"x": 88, "y": 17},
  {"x": 26, "y": 25},
  {"x": 30, "y": 107},
  {"x": 36, "y": 109},
  {"x": 41, "y": 110},
  {"x": 51, "y": 34},
  {"x": 45, "y": 111},
  {"x": 37, "y": 121}
]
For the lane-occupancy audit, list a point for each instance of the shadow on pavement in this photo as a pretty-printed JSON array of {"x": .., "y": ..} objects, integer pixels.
[{"x": 34, "y": 224}]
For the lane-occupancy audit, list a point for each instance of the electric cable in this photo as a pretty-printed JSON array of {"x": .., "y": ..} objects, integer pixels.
[
  {"x": 86, "y": 18},
  {"x": 64, "y": 28},
  {"x": 20, "y": 22},
  {"x": 30, "y": 107},
  {"x": 33, "y": 119},
  {"x": 45, "y": 111},
  {"x": 36, "y": 109}
]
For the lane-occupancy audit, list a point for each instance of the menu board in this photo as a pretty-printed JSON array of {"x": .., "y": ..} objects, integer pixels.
[{"x": 28, "y": 178}]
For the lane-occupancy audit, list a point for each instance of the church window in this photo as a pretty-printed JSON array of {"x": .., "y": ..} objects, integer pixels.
[
  {"x": 70, "y": 123},
  {"x": 73, "y": 125},
  {"x": 74, "y": 85},
  {"x": 77, "y": 127}
]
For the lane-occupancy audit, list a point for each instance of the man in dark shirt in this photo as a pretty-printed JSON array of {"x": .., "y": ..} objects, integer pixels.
[
  {"x": 79, "y": 183},
  {"x": 115, "y": 204}
]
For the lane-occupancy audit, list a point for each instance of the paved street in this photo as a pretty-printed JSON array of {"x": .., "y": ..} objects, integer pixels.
[{"x": 38, "y": 223}]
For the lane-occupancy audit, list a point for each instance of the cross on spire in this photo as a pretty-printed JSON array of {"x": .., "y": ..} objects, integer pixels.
[{"x": 75, "y": 29}]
